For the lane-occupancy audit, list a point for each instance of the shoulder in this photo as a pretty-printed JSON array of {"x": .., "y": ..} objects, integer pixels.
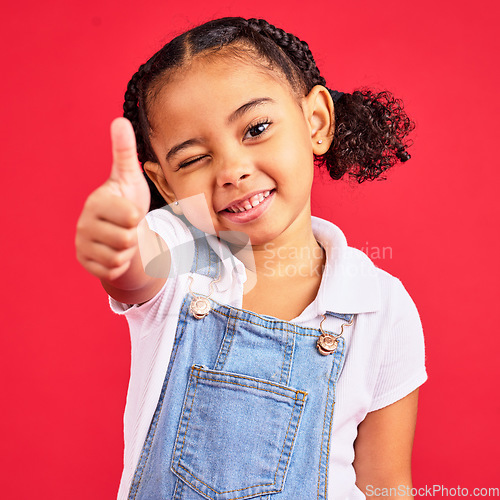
[
  {"x": 354, "y": 284},
  {"x": 168, "y": 225},
  {"x": 176, "y": 234},
  {"x": 395, "y": 302},
  {"x": 395, "y": 298}
]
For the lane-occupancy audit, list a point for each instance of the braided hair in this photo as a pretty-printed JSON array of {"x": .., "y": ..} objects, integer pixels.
[{"x": 371, "y": 128}]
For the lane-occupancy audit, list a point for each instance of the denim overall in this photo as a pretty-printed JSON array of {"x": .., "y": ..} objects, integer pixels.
[{"x": 245, "y": 410}]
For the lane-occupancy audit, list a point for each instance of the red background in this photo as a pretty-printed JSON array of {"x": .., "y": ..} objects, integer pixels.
[{"x": 65, "y": 356}]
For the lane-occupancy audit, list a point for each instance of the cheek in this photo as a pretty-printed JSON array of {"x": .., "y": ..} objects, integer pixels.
[
  {"x": 294, "y": 156},
  {"x": 197, "y": 211}
]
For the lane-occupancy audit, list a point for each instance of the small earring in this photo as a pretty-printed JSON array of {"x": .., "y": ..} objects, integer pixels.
[
  {"x": 320, "y": 141},
  {"x": 176, "y": 203}
]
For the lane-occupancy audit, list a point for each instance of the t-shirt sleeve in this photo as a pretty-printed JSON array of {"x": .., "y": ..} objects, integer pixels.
[{"x": 402, "y": 360}]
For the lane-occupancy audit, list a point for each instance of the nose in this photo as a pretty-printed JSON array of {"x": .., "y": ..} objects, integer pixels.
[{"x": 233, "y": 170}]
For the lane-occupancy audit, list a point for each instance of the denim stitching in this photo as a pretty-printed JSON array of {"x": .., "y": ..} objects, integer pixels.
[
  {"x": 292, "y": 351},
  {"x": 194, "y": 487},
  {"x": 148, "y": 443},
  {"x": 233, "y": 323},
  {"x": 284, "y": 356},
  {"x": 286, "y": 350},
  {"x": 294, "y": 435},
  {"x": 293, "y": 440},
  {"x": 251, "y": 387},
  {"x": 322, "y": 437},
  {"x": 343, "y": 317},
  {"x": 179, "y": 487},
  {"x": 182, "y": 416},
  {"x": 224, "y": 351},
  {"x": 332, "y": 377},
  {"x": 233, "y": 334},
  {"x": 255, "y": 380},
  {"x": 265, "y": 319},
  {"x": 277, "y": 321},
  {"x": 294, "y": 409},
  {"x": 331, "y": 415},
  {"x": 222, "y": 492}
]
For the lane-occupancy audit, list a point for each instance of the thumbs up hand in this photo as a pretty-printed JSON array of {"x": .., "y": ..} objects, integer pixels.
[
  {"x": 106, "y": 236},
  {"x": 126, "y": 174}
]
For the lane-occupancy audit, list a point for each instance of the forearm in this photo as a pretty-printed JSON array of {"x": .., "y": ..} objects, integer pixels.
[{"x": 383, "y": 450}]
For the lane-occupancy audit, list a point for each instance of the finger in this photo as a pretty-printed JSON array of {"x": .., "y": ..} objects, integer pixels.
[
  {"x": 104, "y": 273},
  {"x": 125, "y": 163},
  {"x": 104, "y": 204},
  {"x": 109, "y": 257},
  {"x": 113, "y": 236}
]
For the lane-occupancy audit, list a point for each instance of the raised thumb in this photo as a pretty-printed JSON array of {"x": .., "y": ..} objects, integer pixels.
[{"x": 125, "y": 163}]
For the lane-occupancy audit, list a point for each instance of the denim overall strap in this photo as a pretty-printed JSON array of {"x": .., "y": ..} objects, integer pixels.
[
  {"x": 245, "y": 411},
  {"x": 205, "y": 260}
]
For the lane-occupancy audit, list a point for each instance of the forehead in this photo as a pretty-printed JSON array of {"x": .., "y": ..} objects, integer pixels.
[{"x": 212, "y": 87}]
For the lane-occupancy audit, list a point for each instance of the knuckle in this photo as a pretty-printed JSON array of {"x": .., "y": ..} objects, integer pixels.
[
  {"x": 128, "y": 239},
  {"x": 132, "y": 218},
  {"x": 125, "y": 239},
  {"x": 115, "y": 260}
]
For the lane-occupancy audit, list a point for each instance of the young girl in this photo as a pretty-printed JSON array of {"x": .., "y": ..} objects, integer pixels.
[{"x": 269, "y": 359}]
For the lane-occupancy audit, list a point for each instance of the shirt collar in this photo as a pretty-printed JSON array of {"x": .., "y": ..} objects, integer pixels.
[{"x": 350, "y": 284}]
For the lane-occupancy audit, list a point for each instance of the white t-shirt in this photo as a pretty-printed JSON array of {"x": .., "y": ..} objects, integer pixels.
[{"x": 384, "y": 354}]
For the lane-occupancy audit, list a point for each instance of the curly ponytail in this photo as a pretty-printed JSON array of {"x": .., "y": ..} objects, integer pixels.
[
  {"x": 370, "y": 135},
  {"x": 370, "y": 128}
]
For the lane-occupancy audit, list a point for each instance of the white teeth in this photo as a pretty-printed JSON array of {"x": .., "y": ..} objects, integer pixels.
[
  {"x": 254, "y": 200},
  {"x": 248, "y": 204}
]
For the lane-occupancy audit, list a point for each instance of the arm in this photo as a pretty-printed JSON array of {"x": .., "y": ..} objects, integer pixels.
[
  {"x": 107, "y": 230},
  {"x": 383, "y": 450}
]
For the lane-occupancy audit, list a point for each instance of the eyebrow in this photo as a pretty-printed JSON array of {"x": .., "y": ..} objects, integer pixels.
[
  {"x": 183, "y": 145},
  {"x": 248, "y": 106},
  {"x": 254, "y": 103}
]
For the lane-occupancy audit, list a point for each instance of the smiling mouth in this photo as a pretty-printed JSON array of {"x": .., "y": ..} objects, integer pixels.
[
  {"x": 249, "y": 210},
  {"x": 249, "y": 203}
]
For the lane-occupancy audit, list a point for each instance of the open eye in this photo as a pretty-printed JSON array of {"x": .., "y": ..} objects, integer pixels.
[{"x": 258, "y": 129}]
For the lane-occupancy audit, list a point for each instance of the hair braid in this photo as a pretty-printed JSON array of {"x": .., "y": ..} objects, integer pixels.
[
  {"x": 134, "y": 111},
  {"x": 297, "y": 50}
]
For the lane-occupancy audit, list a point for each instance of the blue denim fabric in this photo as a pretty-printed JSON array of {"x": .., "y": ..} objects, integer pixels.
[{"x": 245, "y": 410}]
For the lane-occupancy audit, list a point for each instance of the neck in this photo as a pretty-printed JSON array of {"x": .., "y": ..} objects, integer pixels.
[{"x": 296, "y": 256}]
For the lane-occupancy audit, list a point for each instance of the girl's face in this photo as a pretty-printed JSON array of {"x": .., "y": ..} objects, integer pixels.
[{"x": 233, "y": 136}]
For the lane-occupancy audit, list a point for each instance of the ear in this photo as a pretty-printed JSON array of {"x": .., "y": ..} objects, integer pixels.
[
  {"x": 319, "y": 109},
  {"x": 155, "y": 173}
]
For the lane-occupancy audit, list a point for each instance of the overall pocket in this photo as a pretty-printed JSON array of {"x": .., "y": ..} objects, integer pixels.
[{"x": 236, "y": 434}]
